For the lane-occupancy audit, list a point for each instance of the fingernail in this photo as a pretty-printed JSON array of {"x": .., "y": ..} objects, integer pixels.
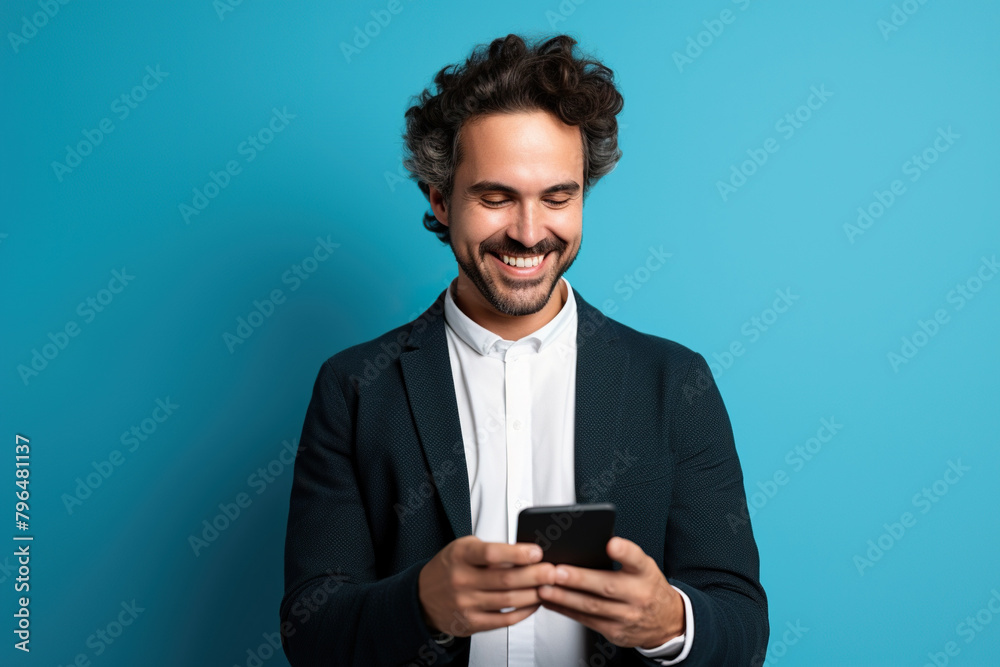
[
  {"x": 535, "y": 552},
  {"x": 561, "y": 574}
]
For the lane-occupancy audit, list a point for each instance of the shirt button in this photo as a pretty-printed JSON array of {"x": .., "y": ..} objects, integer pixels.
[{"x": 517, "y": 424}]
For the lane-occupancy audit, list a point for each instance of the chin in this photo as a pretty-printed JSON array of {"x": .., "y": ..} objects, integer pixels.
[{"x": 524, "y": 300}]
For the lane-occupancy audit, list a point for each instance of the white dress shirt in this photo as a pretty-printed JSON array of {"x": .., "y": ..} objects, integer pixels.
[{"x": 516, "y": 403}]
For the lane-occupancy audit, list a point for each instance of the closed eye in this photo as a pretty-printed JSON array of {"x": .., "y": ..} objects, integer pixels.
[{"x": 496, "y": 203}]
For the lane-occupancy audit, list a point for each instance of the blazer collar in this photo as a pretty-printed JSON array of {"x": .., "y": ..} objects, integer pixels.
[{"x": 602, "y": 365}]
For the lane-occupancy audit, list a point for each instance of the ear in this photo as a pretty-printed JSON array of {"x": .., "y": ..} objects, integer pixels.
[{"x": 438, "y": 205}]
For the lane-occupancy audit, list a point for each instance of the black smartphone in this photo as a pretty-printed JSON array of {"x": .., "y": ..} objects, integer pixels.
[{"x": 571, "y": 534}]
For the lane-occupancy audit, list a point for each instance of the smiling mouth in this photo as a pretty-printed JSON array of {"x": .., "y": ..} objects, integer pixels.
[{"x": 523, "y": 261}]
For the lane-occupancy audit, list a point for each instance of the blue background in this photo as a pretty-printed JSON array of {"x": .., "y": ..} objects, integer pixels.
[{"x": 334, "y": 172}]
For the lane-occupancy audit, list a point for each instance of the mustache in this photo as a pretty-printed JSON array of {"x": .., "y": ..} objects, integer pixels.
[{"x": 520, "y": 250}]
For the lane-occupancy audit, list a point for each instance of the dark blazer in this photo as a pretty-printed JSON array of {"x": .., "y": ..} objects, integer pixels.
[{"x": 381, "y": 486}]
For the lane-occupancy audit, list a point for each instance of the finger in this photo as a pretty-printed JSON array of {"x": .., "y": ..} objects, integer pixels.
[
  {"x": 525, "y": 576},
  {"x": 500, "y": 553},
  {"x": 490, "y": 620},
  {"x": 583, "y": 602},
  {"x": 633, "y": 559},
  {"x": 516, "y": 599},
  {"x": 612, "y": 585}
]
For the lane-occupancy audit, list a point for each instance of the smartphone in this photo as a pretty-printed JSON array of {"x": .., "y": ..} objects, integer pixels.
[{"x": 571, "y": 534}]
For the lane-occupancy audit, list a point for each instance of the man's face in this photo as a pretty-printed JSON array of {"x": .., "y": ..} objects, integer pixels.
[{"x": 517, "y": 192}]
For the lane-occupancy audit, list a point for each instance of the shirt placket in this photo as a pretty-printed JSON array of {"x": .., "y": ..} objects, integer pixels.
[{"x": 517, "y": 398}]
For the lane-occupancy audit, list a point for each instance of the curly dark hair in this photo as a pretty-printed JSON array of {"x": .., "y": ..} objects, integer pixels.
[{"x": 510, "y": 76}]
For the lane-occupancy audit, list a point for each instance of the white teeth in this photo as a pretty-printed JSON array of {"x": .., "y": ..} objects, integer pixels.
[{"x": 523, "y": 261}]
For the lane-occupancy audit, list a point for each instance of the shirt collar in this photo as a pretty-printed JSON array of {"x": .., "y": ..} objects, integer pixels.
[{"x": 487, "y": 343}]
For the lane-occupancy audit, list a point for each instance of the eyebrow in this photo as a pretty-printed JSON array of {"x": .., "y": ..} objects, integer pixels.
[{"x": 570, "y": 187}]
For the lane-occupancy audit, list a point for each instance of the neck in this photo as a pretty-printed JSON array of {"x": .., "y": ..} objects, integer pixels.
[{"x": 509, "y": 327}]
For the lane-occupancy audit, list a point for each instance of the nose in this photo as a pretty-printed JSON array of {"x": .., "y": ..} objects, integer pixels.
[{"x": 528, "y": 228}]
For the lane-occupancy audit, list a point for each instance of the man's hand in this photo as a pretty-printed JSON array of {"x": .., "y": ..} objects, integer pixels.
[
  {"x": 464, "y": 587},
  {"x": 634, "y": 606}
]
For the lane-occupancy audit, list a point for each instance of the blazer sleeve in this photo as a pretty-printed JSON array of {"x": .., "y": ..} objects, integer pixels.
[
  {"x": 710, "y": 552},
  {"x": 335, "y": 610}
]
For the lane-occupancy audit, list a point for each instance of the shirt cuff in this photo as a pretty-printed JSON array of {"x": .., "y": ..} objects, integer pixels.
[{"x": 674, "y": 650}]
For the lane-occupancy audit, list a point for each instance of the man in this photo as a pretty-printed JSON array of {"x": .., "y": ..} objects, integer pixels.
[{"x": 420, "y": 447}]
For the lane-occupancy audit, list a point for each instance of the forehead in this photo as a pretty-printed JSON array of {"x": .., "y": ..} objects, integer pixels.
[{"x": 529, "y": 148}]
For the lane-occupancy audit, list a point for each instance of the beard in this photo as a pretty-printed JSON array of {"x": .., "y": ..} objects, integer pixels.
[{"x": 512, "y": 296}]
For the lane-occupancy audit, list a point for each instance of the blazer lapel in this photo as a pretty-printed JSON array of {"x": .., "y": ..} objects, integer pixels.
[
  {"x": 431, "y": 391},
  {"x": 601, "y": 367}
]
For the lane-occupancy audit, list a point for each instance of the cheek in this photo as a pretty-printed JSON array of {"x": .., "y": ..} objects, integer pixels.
[
  {"x": 474, "y": 224},
  {"x": 572, "y": 236},
  {"x": 568, "y": 224}
]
